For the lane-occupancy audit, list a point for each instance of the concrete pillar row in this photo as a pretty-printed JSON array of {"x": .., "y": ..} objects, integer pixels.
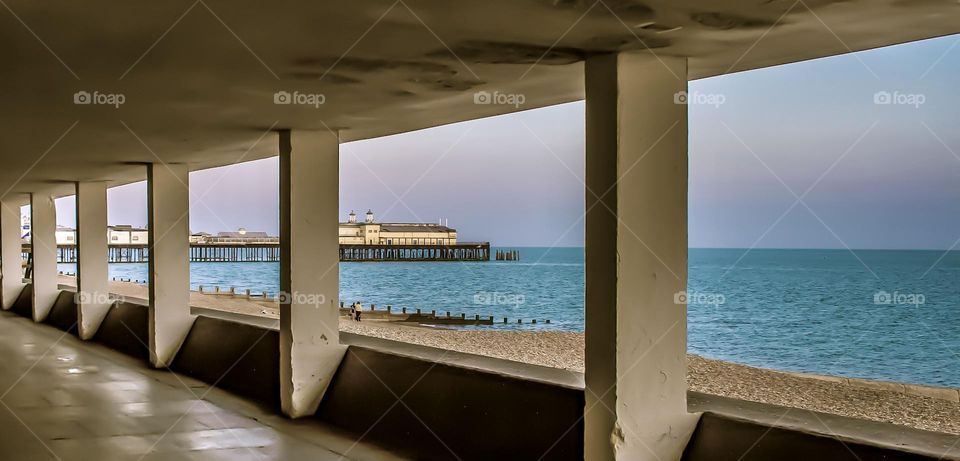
[
  {"x": 11, "y": 248},
  {"x": 43, "y": 231},
  {"x": 168, "y": 217},
  {"x": 310, "y": 349},
  {"x": 93, "y": 289},
  {"x": 636, "y": 258}
]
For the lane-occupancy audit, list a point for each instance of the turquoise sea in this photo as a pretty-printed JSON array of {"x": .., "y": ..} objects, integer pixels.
[{"x": 892, "y": 315}]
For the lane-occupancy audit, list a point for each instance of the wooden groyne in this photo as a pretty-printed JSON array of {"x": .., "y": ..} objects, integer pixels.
[
  {"x": 270, "y": 252},
  {"x": 508, "y": 255},
  {"x": 429, "y": 318}
]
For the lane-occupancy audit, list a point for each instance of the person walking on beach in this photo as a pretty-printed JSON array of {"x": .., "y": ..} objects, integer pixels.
[
  {"x": 358, "y": 309},
  {"x": 353, "y": 311}
]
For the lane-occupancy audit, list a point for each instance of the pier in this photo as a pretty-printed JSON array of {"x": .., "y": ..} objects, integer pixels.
[
  {"x": 466, "y": 251},
  {"x": 270, "y": 252}
]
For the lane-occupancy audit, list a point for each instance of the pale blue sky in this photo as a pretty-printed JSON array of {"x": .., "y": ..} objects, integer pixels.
[{"x": 883, "y": 176}]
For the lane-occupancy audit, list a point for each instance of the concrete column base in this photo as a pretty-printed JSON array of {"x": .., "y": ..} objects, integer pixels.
[
  {"x": 11, "y": 259},
  {"x": 168, "y": 203},
  {"x": 636, "y": 258},
  {"x": 310, "y": 349},
  {"x": 93, "y": 273},
  {"x": 43, "y": 229}
]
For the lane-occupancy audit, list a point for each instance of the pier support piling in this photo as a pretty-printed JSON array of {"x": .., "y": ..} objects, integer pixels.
[
  {"x": 92, "y": 270},
  {"x": 43, "y": 231},
  {"x": 636, "y": 258},
  {"x": 310, "y": 349},
  {"x": 168, "y": 215}
]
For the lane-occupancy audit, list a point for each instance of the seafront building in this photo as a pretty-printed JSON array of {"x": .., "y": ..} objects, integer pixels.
[
  {"x": 351, "y": 232},
  {"x": 105, "y": 94},
  {"x": 370, "y": 232}
]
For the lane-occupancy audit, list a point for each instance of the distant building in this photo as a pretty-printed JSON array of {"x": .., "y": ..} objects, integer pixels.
[
  {"x": 242, "y": 236},
  {"x": 125, "y": 235},
  {"x": 66, "y": 235},
  {"x": 116, "y": 235},
  {"x": 199, "y": 237},
  {"x": 370, "y": 232}
]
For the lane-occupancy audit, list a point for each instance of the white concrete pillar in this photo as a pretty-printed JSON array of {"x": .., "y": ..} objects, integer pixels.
[
  {"x": 11, "y": 247},
  {"x": 168, "y": 215},
  {"x": 93, "y": 289},
  {"x": 636, "y": 258},
  {"x": 43, "y": 229},
  {"x": 310, "y": 349}
]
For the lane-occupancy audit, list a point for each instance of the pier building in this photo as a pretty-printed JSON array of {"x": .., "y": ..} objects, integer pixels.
[
  {"x": 101, "y": 94},
  {"x": 367, "y": 241},
  {"x": 351, "y": 232},
  {"x": 371, "y": 232}
]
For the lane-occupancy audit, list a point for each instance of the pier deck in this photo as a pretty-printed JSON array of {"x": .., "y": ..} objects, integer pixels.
[{"x": 269, "y": 252}]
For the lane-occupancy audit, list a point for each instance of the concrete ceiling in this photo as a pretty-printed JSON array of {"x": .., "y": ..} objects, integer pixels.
[{"x": 199, "y": 76}]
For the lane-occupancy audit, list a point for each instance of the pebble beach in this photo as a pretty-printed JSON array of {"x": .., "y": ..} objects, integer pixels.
[{"x": 565, "y": 350}]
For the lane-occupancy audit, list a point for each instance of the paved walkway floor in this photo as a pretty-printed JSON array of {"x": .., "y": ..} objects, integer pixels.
[{"x": 63, "y": 399}]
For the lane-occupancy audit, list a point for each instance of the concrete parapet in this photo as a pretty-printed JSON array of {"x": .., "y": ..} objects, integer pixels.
[{"x": 933, "y": 392}]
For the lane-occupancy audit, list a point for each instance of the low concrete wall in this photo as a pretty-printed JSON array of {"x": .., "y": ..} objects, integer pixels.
[
  {"x": 722, "y": 438},
  {"x": 243, "y": 359},
  {"x": 125, "y": 328},
  {"x": 435, "y": 411},
  {"x": 434, "y": 404},
  {"x": 63, "y": 314},
  {"x": 933, "y": 392},
  {"x": 23, "y": 306}
]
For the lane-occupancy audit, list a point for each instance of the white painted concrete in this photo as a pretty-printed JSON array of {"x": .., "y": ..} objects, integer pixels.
[
  {"x": 43, "y": 229},
  {"x": 92, "y": 270},
  {"x": 168, "y": 215},
  {"x": 636, "y": 258},
  {"x": 11, "y": 259},
  {"x": 310, "y": 349}
]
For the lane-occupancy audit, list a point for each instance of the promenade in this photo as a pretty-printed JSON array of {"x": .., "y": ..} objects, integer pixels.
[{"x": 565, "y": 350}]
